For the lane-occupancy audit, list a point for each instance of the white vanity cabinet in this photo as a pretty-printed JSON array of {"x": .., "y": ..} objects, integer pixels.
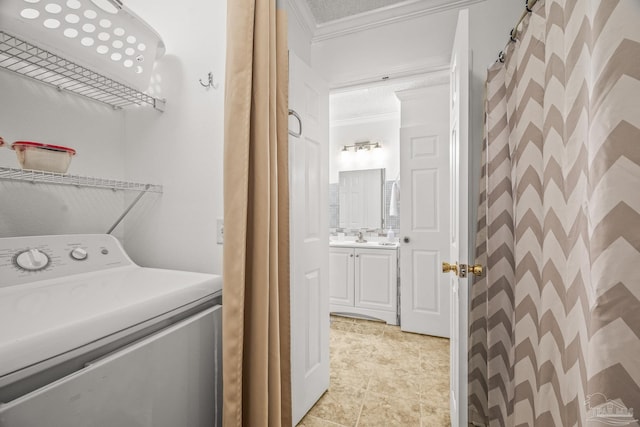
[
  {"x": 363, "y": 280},
  {"x": 341, "y": 276}
]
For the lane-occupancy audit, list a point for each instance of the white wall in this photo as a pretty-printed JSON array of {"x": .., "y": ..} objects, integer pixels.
[
  {"x": 422, "y": 43},
  {"x": 299, "y": 39},
  {"x": 181, "y": 148},
  {"x": 34, "y": 112},
  {"x": 384, "y": 130}
]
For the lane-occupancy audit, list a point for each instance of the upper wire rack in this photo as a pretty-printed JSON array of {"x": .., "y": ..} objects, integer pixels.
[{"x": 26, "y": 59}]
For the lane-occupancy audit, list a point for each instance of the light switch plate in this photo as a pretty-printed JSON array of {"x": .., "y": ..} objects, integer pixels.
[{"x": 220, "y": 231}]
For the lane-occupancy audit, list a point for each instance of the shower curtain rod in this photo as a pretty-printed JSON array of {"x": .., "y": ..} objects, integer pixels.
[{"x": 513, "y": 34}]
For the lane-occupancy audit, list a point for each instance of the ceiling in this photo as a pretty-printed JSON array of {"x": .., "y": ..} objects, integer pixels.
[{"x": 375, "y": 100}]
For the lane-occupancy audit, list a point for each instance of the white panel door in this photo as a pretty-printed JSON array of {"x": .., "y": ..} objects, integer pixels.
[
  {"x": 424, "y": 228},
  {"x": 459, "y": 246},
  {"x": 341, "y": 276},
  {"x": 309, "y": 169}
]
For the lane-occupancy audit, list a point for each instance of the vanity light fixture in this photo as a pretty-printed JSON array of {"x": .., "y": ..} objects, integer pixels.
[{"x": 359, "y": 146}]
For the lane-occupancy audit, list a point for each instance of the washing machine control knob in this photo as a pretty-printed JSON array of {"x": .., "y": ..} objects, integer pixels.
[
  {"x": 32, "y": 260},
  {"x": 78, "y": 254}
]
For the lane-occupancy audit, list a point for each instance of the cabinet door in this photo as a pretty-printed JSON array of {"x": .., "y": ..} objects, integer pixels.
[
  {"x": 376, "y": 279},
  {"x": 341, "y": 276}
]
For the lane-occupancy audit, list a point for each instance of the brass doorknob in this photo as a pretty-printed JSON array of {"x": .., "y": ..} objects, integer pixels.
[
  {"x": 476, "y": 269},
  {"x": 446, "y": 268}
]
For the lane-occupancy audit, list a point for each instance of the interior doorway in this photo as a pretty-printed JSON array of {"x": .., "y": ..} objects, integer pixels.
[
  {"x": 370, "y": 66},
  {"x": 407, "y": 120}
]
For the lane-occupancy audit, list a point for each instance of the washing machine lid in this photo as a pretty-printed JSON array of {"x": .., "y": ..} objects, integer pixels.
[{"x": 44, "y": 319}]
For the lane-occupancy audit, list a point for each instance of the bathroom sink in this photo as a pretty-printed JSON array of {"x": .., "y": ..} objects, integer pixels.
[{"x": 354, "y": 244}]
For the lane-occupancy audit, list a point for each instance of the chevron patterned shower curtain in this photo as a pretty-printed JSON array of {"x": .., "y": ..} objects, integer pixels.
[{"x": 555, "y": 324}]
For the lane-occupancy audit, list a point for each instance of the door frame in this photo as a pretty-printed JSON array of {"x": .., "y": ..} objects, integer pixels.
[
  {"x": 461, "y": 358},
  {"x": 461, "y": 252}
]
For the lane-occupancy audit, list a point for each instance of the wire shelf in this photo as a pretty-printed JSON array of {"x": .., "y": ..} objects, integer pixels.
[
  {"x": 34, "y": 176},
  {"x": 39, "y": 64}
]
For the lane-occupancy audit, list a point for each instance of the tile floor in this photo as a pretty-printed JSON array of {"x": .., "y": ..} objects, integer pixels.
[{"x": 381, "y": 376}]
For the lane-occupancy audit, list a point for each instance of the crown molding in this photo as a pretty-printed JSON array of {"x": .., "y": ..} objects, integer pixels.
[
  {"x": 371, "y": 118},
  {"x": 438, "y": 73},
  {"x": 378, "y": 17},
  {"x": 301, "y": 12}
]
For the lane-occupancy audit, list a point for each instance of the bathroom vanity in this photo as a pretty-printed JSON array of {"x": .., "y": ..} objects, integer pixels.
[{"x": 364, "y": 279}]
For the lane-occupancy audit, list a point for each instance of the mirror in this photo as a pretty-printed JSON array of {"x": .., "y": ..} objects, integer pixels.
[{"x": 361, "y": 198}]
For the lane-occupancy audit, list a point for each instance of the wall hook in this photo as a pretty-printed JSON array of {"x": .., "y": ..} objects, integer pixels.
[{"x": 210, "y": 82}]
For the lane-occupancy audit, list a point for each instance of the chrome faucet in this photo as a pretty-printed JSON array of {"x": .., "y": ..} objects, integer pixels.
[{"x": 361, "y": 238}]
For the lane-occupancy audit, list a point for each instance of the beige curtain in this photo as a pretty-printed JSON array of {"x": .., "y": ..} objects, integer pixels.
[
  {"x": 256, "y": 353},
  {"x": 555, "y": 324}
]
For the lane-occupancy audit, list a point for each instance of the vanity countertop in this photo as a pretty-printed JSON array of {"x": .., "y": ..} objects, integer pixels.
[{"x": 367, "y": 245}]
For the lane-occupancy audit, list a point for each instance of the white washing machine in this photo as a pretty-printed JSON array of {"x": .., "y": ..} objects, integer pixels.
[{"x": 90, "y": 339}]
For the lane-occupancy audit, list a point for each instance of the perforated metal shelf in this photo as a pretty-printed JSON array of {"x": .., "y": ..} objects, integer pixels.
[
  {"x": 39, "y": 64},
  {"x": 12, "y": 174}
]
